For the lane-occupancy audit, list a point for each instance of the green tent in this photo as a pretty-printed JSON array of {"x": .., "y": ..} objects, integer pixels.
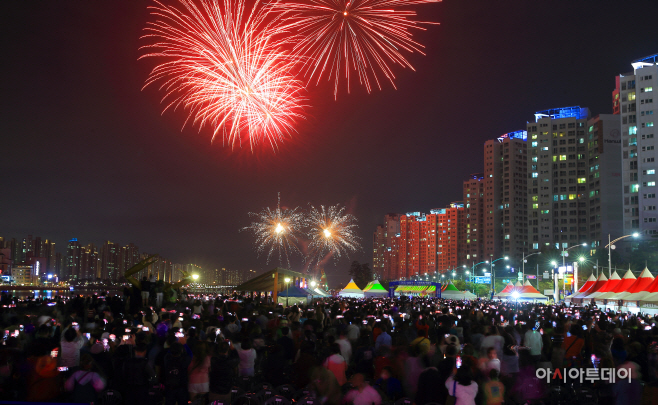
[{"x": 375, "y": 289}]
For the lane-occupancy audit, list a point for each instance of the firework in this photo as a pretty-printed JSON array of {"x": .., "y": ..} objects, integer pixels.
[
  {"x": 222, "y": 64},
  {"x": 277, "y": 231},
  {"x": 331, "y": 233},
  {"x": 338, "y": 36}
]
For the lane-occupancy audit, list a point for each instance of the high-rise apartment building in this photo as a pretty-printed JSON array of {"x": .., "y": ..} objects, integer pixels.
[
  {"x": 433, "y": 242},
  {"x": 474, "y": 217},
  {"x": 385, "y": 248},
  {"x": 573, "y": 178},
  {"x": 378, "y": 250},
  {"x": 557, "y": 178},
  {"x": 639, "y": 152},
  {"x": 110, "y": 255},
  {"x": 89, "y": 263},
  {"x": 506, "y": 196},
  {"x": 604, "y": 179},
  {"x": 73, "y": 256},
  {"x": 129, "y": 257}
]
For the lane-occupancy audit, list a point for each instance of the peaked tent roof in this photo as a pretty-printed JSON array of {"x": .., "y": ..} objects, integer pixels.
[
  {"x": 451, "y": 287},
  {"x": 639, "y": 288},
  {"x": 601, "y": 281},
  {"x": 583, "y": 290},
  {"x": 653, "y": 286},
  {"x": 376, "y": 289},
  {"x": 588, "y": 284},
  {"x": 644, "y": 279},
  {"x": 607, "y": 287},
  {"x": 528, "y": 288},
  {"x": 626, "y": 281},
  {"x": 351, "y": 289},
  {"x": 509, "y": 288},
  {"x": 368, "y": 286}
]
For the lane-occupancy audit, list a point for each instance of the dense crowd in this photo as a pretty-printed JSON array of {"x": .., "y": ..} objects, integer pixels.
[{"x": 334, "y": 351}]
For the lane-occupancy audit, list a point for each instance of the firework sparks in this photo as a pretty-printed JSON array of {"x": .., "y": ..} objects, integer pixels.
[
  {"x": 338, "y": 36},
  {"x": 222, "y": 65},
  {"x": 331, "y": 233},
  {"x": 277, "y": 231}
]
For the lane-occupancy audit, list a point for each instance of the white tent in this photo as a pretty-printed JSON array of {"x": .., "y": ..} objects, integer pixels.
[{"x": 351, "y": 291}]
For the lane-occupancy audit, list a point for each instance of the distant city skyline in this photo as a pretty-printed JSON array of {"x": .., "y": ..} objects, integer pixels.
[{"x": 89, "y": 154}]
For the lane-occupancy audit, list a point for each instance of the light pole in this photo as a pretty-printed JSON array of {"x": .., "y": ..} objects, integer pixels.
[
  {"x": 493, "y": 275},
  {"x": 473, "y": 266},
  {"x": 525, "y": 260},
  {"x": 564, "y": 256},
  {"x": 611, "y": 246},
  {"x": 287, "y": 289}
]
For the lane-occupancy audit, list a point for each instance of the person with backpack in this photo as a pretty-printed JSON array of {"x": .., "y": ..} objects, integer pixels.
[
  {"x": 174, "y": 375},
  {"x": 138, "y": 377},
  {"x": 85, "y": 384}
]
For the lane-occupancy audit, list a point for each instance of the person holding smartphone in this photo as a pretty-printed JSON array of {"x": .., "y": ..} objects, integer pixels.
[{"x": 72, "y": 342}]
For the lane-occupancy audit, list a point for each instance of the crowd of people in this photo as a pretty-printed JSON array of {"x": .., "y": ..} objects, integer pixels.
[{"x": 411, "y": 350}]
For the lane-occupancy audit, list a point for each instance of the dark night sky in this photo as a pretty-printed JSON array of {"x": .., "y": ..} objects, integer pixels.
[{"x": 86, "y": 153}]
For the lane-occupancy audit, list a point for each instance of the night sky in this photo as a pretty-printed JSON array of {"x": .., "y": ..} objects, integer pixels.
[{"x": 86, "y": 153}]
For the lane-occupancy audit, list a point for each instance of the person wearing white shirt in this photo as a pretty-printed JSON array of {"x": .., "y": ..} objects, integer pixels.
[
  {"x": 533, "y": 340},
  {"x": 345, "y": 347}
]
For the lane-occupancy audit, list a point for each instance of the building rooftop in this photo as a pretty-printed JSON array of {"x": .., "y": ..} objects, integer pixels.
[
  {"x": 523, "y": 135},
  {"x": 563, "y": 112}
]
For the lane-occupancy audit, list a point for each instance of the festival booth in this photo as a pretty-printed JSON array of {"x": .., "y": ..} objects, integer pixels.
[
  {"x": 583, "y": 290},
  {"x": 293, "y": 295},
  {"x": 634, "y": 301},
  {"x": 351, "y": 291},
  {"x": 625, "y": 283},
  {"x": 505, "y": 292},
  {"x": 374, "y": 289},
  {"x": 320, "y": 293},
  {"x": 634, "y": 290},
  {"x": 530, "y": 293},
  {"x": 452, "y": 293},
  {"x": 602, "y": 286}
]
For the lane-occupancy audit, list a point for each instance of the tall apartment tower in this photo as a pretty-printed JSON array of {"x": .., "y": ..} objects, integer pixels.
[
  {"x": 110, "y": 254},
  {"x": 73, "y": 256},
  {"x": 604, "y": 179},
  {"x": 378, "y": 250},
  {"x": 639, "y": 152},
  {"x": 505, "y": 196},
  {"x": 557, "y": 178},
  {"x": 474, "y": 217},
  {"x": 89, "y": 263},
  {"x": 431, "y": 243}
]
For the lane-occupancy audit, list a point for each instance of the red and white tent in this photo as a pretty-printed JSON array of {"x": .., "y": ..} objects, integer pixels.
[
  {"x": 644, "y": 279},
  {"x": 600, "y": 282},
  {"x": 646, "y": 292},
  {"x": 528, "y": 292},
  {"x": 623, "y": 286},
  {"x": 583, "y": 290},
  {"x": 606, "y": 287},
  {"x": 506, "y": 291}
]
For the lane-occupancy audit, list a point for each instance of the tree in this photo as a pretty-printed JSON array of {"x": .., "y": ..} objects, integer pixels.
[{"x": 361, "y": 273}]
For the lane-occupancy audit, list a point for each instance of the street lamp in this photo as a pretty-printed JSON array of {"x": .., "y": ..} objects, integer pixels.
[
  {"x": 287, "y": 289},
  {"x": 564, "y": 255},
  {"x": 611, "y": 246},
  {"x": 524, "y": 261},
  {"x": 493, "y": 275}
]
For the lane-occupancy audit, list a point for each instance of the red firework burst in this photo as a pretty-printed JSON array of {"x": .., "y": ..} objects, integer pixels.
[
  {"x": 367, "y": 36},
  {"x": 223, "y": 65}
]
